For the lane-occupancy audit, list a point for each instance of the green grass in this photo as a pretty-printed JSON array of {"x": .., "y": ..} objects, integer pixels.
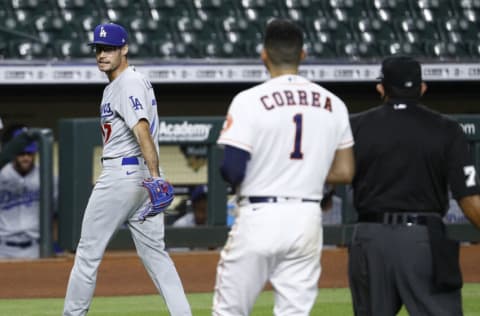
[{"x": 329, "y": 302}]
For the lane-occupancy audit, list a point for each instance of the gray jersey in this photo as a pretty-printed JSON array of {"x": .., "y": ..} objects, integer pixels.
[
  {"x": 126, "y": 100},
  {"x": 19, "y": 204}
]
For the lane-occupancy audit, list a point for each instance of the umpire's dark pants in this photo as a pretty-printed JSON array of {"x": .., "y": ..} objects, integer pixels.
[{"x": 391, "y": 265}]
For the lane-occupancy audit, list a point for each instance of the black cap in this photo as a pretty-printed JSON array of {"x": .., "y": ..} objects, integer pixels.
[{"x": 401, "y": 72}]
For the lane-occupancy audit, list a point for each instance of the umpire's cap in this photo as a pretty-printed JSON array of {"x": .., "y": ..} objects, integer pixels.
[
  {"x": 110, "y": 34},
  {"x": 401, "y": 72}
]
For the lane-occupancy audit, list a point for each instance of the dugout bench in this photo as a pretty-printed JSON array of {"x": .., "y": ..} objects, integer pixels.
[{"x": 78, "y": 138}]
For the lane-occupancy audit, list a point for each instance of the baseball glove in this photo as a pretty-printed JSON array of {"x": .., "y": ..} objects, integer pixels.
[{"x": 161, "y": 196}]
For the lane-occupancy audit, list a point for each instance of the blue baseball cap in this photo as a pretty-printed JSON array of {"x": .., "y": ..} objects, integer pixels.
[
  {"x": 110, "y": 34},
  {"x": 199, "y": 192},
  {"x": 31, "y": 148}
]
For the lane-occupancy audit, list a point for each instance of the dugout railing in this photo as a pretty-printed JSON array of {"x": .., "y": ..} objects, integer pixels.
[{"x": 78, "y": 138}]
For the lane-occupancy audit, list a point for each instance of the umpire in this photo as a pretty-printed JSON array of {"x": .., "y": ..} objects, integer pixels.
[{"x": 407, "y": 157}]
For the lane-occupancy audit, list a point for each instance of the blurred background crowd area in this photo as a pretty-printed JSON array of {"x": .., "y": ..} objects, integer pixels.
[{"x": 171, "y": 29}]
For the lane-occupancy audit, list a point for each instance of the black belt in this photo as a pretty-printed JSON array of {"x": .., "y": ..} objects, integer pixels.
[
  {"x": 23, "y": 244},
  {"x": 275, "y": 199},
  {"x": 398, "y": 218}
]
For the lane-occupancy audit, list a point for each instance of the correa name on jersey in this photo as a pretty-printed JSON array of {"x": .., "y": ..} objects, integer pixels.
[
  {"x": 295, "y": 98},
  {"x": 11, "y": 199},
  {"x": 184, "y": 131}
]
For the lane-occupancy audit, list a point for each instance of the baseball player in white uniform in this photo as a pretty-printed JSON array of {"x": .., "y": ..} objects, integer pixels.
[
  {"x": 19, "y": 204},
  {"x": 283, "y": 139},
  {"x": 129, "y": 122}
]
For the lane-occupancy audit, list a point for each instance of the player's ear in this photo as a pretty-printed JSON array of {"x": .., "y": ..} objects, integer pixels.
[
  {"x": 303, "y": 54},
  {"x": 381, "y": 90},
  {"x": 264, "y": 55},
  {"x": 423, "y": 88},
  {"x": 124, "y": 50}
]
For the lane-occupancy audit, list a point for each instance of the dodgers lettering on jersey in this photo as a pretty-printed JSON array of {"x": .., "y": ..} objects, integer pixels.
[
  {"x": 292, "y": 128},
  {"x": 126, "y": 100},
  {"x": 19, "y": 202}
]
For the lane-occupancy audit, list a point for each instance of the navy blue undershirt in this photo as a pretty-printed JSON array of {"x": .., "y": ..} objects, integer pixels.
[{"x": 234, "y": 165}]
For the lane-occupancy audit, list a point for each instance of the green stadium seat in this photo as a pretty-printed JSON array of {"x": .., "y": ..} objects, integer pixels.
[
  {"x": 168, "y": 9},
  {"x": 474, "y": 50},
  {"x": 209, "y": 10},
  {"x": 447, "y": 51},
  {"x": 433, "y": 10},
  {"x": 419, "y": 33},
  {"x": 345, "y": 10},
  {"x": 401, "y": 48},
  {"x": 316, "y": 49},
  {"x": 260, "y": 11},
  {"x": 389, "y": 10},
  {"x": 359, "y": 51},
  {"x": 28, "y": 50},
  {"x": 460, "y": 29},
  {"x": 435, "y": 29},
  {"x": 71, "y": 49},
  {"x": 121, "y": 11},
  {"x": 373, "y": 29}
]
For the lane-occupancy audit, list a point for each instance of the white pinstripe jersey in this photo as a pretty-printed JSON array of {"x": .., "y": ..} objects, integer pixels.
[
  {"x": 291, "y": 127},
  {"x": 126, "y": 100}
]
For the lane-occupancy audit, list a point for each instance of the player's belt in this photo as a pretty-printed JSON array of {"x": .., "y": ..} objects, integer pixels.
[
  {"x": 396, "y": 218},
  {"x": 22, "y": 244},
  {"x": 125, "y": 160},
  {"x": 277, "y": 199}
]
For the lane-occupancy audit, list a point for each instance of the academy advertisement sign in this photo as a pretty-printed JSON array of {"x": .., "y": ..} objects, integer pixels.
[
  {"x": 470, "y": 124},
  {"x": 186, "y": 131}
]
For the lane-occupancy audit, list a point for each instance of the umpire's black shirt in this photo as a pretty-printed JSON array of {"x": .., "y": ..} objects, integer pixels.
[{"x": 406, "y": 157}]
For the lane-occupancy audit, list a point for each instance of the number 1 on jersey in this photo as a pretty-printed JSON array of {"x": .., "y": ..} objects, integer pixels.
[{"x": 297, "y": 146}]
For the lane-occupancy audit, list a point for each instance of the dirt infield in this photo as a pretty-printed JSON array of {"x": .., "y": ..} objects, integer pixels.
[{"x": 121, "y": 273}]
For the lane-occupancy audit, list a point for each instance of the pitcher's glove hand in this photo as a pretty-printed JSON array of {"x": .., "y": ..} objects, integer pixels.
[{"x": 161, "y": 196}]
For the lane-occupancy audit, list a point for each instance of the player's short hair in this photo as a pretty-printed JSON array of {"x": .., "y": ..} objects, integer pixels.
[
  {"x": 401, "y": 77},
  {"x": 283, "y": 42}
]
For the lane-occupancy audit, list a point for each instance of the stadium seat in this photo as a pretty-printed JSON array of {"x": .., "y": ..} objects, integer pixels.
[
  {"x": 359, "y": 51},
  {"x": 260, "y": 11},
  {"x": 469, "y": 9},
  {"x": 402, "y": 48},
  {"x": 168, "y": 9},
  {"x": 345, "y": 10},
  {"x": 300, "y": 10},
  {"x": 121, "y": 11},
  {"x": 71, "y": 49},
  {"x": 474, "y": 49},
  {"x": 234, "y": 28},
  {"x": 389, "y": 10},
  {"x": 373, "y": 29},
  {"x": 322, "y": 28},
  {"x": 447, "y": 51},
  {"x": 459, "y": 29},
  {"x": 433, "y": 10},
  {"x": 28, "y": 50},
  {"x": 321, "y": 50},
  {"x": 209, "y": 10},
  {"x": 419, "y": 33}
]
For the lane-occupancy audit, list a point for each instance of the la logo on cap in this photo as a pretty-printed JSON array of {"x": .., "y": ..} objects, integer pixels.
[{"x": 103, "y": 33}]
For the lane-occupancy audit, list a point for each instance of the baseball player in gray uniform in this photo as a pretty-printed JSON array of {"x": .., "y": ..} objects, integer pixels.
[
  {"x": 19, "y": 203},
  {"x": 129, "y": 122}
]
